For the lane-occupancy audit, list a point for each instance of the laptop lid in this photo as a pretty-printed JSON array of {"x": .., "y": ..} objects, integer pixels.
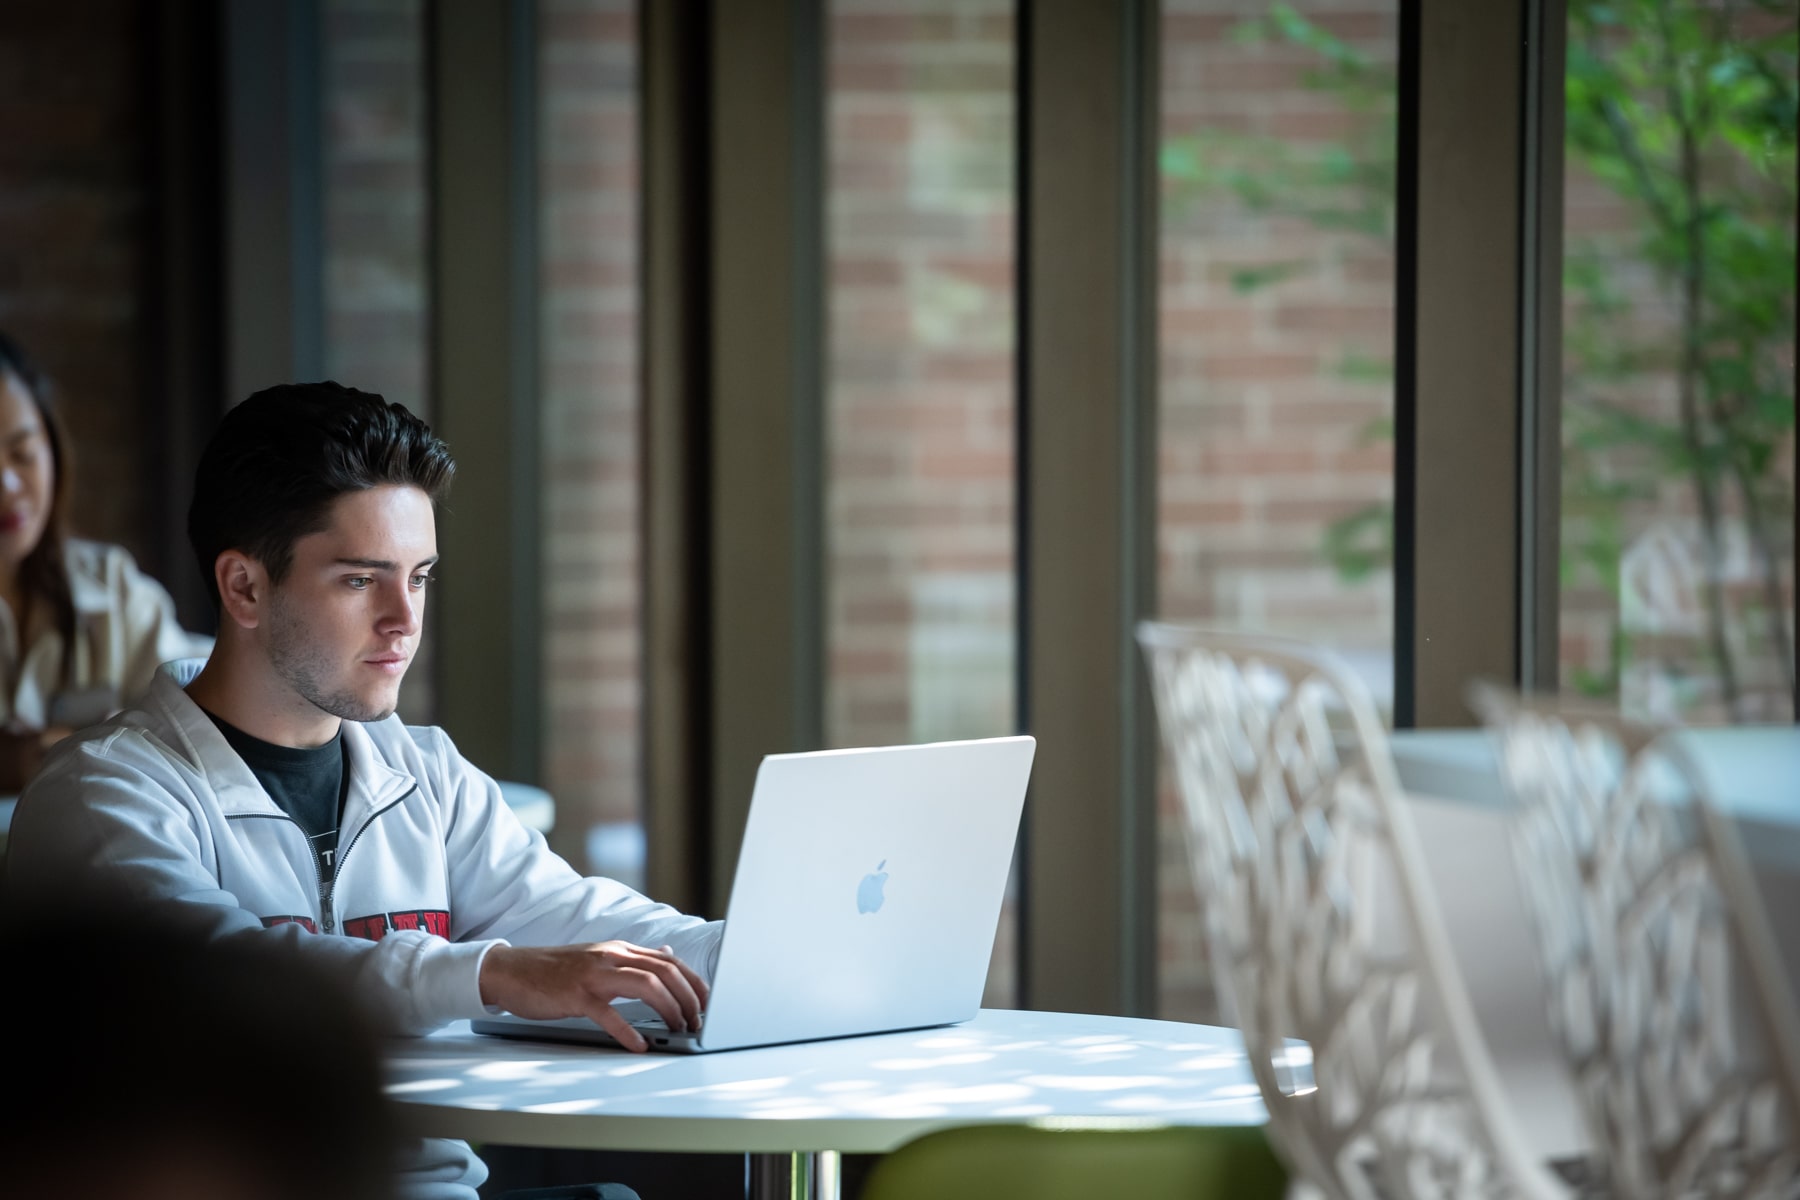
[
  {"x": 868, "y": 890},
  {"x": 866, "y": 899}
]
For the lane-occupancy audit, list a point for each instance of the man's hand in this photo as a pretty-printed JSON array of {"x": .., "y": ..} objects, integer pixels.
[{"x": 546, "y": 982}]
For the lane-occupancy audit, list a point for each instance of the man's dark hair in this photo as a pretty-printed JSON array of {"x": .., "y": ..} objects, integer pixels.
[{"x": 278, "y": 461}]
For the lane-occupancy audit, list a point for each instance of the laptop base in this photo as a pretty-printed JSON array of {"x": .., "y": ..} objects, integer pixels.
[{"x": 579, "y": 1031}]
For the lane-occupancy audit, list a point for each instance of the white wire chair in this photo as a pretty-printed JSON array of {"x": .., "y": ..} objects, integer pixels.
[
  {"x": 1294, "y": 819},
  {"x": 1665, "y": 989}
]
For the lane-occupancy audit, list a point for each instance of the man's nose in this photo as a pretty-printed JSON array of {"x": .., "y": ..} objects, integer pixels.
[{"x": 401, "y": 612}]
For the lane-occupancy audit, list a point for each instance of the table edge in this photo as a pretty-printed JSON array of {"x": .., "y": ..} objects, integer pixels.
[{"x": 731, "y": 1135}]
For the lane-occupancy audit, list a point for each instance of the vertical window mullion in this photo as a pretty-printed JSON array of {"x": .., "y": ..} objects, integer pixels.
[
  {"x": 482, "y": 346},
  {"x": 1088, "y": 265}
]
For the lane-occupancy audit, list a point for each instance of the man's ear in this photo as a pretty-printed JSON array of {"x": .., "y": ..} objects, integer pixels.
[{"x": 243, "y": 588}]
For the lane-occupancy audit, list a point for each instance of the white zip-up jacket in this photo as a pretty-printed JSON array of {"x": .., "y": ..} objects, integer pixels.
[{"x": 433, "y": 869}]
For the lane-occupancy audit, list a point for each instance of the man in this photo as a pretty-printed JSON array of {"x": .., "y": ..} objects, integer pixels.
[{"x": 273, "y": 789}]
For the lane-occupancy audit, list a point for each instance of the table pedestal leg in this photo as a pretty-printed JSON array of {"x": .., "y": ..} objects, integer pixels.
[{"x": 800, "y": 1176}]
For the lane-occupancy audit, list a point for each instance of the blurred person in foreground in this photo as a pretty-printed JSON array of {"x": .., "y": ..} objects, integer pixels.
[
  {"x": 82, "y": 630},
  {"x": 174, "y": 1067},
  {"x": 271, "y": 792}
]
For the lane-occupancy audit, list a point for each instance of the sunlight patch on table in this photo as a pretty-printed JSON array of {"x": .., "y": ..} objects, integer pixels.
[
  {"x": 1210, "y": 1062},
  {"x": 925, "y": 1064},
  {"x": 413, "y": 1087},
  {"x": 733, "y": 1087},
  {"x": 638, "y": 1068},
  {"x": 524, "y": 1068},
  {"x": 565, "y": 1106},
  {"x": 1097, "y": 1083},
  {"x": 1146, "y": 1103}
]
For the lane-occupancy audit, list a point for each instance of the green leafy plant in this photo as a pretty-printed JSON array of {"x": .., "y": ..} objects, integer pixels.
[{"x": 1686, "y": 112}]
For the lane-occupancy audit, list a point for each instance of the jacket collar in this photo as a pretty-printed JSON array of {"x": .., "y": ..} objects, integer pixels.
[{"x": 373, "y": 783}]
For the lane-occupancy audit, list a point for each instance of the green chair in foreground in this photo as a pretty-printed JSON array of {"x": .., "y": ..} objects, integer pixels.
[{"x": 995, "y": 1162}]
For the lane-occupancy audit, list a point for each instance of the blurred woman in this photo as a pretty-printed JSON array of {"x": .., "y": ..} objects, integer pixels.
[{"x": 82, "y": 630}]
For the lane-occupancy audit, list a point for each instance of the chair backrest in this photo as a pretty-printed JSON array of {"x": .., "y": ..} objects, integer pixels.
[
  {"x": 993, "y": 1162},
  {"x": 1665, "y": 990},
  {"x": 1295, "y": 824}
]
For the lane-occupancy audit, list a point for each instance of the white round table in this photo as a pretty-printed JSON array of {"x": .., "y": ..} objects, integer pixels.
[{"x": 796, "y": 1108}]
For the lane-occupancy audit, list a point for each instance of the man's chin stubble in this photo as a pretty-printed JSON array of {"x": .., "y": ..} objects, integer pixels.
[{"x": 351, "y": 708}]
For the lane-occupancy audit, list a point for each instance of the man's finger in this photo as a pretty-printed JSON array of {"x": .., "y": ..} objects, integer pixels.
[
  {"x": 694, "y": 978},
  {"x": 608, "y": 1018},
  {"x": 640, "y": 983},
  {"x": 675, "y": 979},
  {"x": 676, "y": 982}
]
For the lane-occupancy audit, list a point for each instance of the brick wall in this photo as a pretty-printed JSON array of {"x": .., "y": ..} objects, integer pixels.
[
  {"x": 1262, "y": 429},
  {"x": 588, "y": 313},
  {"x": 74, "y": 218},
  {"x": 920, "y": 404}
]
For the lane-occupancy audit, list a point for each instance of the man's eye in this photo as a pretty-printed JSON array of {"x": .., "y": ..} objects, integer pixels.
[
  {"x": 360, "y": 582},
  {"x": 419, "y": 581}
]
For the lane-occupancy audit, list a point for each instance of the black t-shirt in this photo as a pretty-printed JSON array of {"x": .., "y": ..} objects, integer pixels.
[{"x": 308, "y": 783}]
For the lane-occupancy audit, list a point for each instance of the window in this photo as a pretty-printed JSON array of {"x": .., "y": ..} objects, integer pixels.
[{"x": 1277, "y": 336}]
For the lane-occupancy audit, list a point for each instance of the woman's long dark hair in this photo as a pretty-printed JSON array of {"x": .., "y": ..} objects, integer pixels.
[{"x": 44, "y": 574}]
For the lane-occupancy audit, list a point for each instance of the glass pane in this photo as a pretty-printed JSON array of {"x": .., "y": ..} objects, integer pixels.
[
  {"x": 920, "y": 410},
  {"x": 376, "y": 314},
  {"x": 588, "y": 322},
  {"x": 1277, "y": 326},
  {"x": 1678, "y": 338}
]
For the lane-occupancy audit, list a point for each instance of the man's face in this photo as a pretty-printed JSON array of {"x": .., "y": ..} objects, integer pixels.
[{"x": 343, "y": 626}]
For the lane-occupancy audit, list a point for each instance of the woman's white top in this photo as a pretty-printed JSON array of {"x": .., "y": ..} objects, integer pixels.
[{"x": 125, "y": 627}]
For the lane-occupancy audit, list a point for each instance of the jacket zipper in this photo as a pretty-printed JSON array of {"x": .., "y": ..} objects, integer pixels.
[
  {"x": 319, "y": 888},
  {"x": 318, "y": 879},
  {"x": 326, "y": 892}
]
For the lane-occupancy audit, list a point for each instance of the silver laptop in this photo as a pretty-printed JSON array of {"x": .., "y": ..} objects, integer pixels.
[{"x": 867, "y": 897}]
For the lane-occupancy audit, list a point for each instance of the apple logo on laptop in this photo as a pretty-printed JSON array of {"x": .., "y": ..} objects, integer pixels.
[{"x": 868, "y": 893}]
